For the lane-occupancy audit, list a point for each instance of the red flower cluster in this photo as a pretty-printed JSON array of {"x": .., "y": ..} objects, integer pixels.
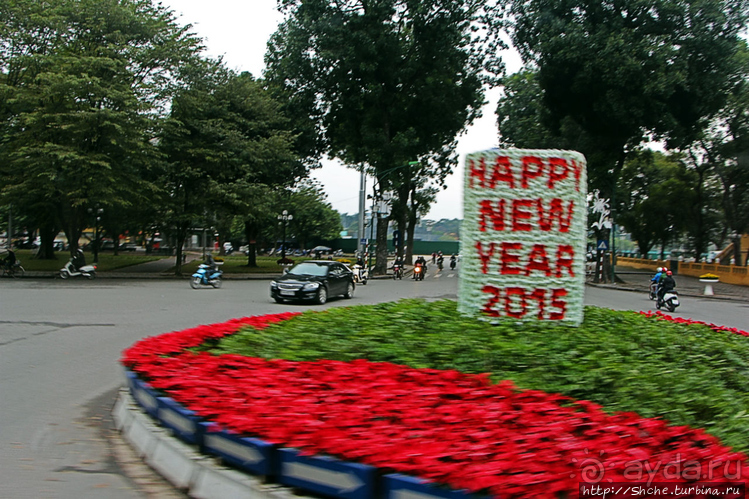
[
  {"x": 679, "y": 320},
  {"x": 445, "y": 426}
]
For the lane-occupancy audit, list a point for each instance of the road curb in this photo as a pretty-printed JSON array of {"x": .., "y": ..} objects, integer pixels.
[
  {"x": 681, "y": 293},
  {"x": 189, "y": 471}
]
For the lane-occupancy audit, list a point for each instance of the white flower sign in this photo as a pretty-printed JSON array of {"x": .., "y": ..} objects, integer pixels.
[{"x": 523, "y": 235}]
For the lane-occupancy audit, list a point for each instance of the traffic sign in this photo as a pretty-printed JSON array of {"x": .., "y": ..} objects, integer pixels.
[{"x": 603, "y": 245}]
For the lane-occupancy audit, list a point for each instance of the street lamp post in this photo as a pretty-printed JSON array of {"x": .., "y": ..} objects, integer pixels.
[
  {"x": 283, "y": 221},
  {"x": 98, "y": 211}
]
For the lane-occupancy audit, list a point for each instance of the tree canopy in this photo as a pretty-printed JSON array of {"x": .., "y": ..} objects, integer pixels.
[{"x": 386, "y": 82}]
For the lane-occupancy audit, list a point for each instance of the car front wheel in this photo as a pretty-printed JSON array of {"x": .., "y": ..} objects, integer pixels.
[{"x": 322, "y": 295}]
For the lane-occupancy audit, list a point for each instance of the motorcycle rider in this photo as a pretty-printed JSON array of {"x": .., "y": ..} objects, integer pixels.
[
  {"x": 10, "y": 259},
  {"x": 667, "y": 284},
  {"x": 398, "y": 263},
  {"x": 78, "y": 260},
  {"x": 210, "y": 262},
  {"x": 453, "y": 261},
  {"x": 440, "y": 260},
  {"x": 422, "y": 262}
]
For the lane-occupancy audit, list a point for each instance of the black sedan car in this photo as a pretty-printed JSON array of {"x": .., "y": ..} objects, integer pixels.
[{"x": 314, "y": 280}]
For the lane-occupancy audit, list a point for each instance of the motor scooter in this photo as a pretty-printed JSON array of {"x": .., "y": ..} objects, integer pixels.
[
  {"x": 69, "y": 270},
  {"x": 397, "y": 271},
  {"x": 452, "y": 263},
  {"x": 204, "y": 276},
  {"x": 361, "y": 274},
  {"x": 419, "y": 271},
  {"x": 670, "y": 300}
]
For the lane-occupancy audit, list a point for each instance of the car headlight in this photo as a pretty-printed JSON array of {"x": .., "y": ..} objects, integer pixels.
[
  {"x": 273, "y": 284},
  {"x": 311, "y": 285}
]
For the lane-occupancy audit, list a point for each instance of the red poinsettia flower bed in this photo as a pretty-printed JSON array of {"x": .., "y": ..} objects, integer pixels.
[
  {"x": 449, "y": 427},
  {"x": 679, "y": 320}
]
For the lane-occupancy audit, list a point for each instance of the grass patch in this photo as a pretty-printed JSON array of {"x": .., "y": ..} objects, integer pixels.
[
  {"x": 107, "y": 261},
  {"x": 686, "y": 374},
  {"x": 238, "y": 265}
]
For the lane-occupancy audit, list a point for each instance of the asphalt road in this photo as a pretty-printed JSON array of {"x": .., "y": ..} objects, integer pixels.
[{"x": 60, "y": 342}]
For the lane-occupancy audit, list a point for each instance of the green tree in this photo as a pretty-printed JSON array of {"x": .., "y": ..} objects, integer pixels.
[
  {"x": 725, "y": 147},
  {"x": 621, "y": 70},
  {"x": 660, "y": 200},
  {"x": 81, "y": 81},
  {"x": 315, "y": 220},
  {"x": 225, "y": 135},
  {"x": 386, "y": 82}
]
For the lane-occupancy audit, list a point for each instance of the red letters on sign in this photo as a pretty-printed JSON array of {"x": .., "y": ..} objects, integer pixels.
[
  {"x": 556, "y": 211},
  {"x": 565, "y": 255},
  {"x": 477, "y": 172},
  {"x": 515, "y": 259},
  {"x": 484, "y": 176},
  {"x": 517, "y": 303},
  {"x": 484, "y": 257},
  {"x": 519, "y": 216},
  {"x": 502, "y": 172},
  {"x": 538, "y": 261},
  {"x": 557, "y": 171},
  {"x": 493, "y": 215},
  {"x": 529, "y": 172},
  {"x": 496, "y": 216},
  {"x": 508, "y": 258}
]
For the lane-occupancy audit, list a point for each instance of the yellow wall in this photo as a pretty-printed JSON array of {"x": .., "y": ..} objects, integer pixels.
[{"x": 730, "y": 274}]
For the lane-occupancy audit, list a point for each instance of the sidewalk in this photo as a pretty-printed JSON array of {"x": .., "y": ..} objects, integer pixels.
[{"x": 639, "y": 281}]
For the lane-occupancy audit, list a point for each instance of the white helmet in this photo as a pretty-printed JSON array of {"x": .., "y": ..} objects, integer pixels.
[{"x": 659, "y": 269}]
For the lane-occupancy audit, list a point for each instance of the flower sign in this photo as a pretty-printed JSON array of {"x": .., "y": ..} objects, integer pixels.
[{"x": 523, "y": 235}]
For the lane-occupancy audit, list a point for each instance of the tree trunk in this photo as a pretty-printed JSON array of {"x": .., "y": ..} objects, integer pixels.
[
  {"x": 250, "y": 231},
  {"x": 179, "y": 242},
  {"x": 46, "y": 249},
  {"x": 381, "y": 250},
  {"x": 410, "y": 229}
]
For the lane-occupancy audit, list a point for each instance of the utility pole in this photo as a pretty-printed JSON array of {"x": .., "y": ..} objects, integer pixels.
[{"x": 362, "y": 209}]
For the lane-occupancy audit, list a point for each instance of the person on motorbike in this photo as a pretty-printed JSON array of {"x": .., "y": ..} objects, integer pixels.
[
  {"x": 79, "y": 259},
  {"x": 667, "y": 284},
  {"x": 453, "y": 261},
  {"x": 210, "y": 262},
  {"x": 421, "y": 261},
  {"x": 398, "y": 263},
  {"x": 440, "y": 261},
  {"x": 9, "y": 260}
]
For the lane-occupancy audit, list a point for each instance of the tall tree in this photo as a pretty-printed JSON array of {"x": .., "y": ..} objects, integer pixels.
[
  {"x": 386, "y": 82},
  {"x": 624, "y": 69},
  {"x": 225, "y": 135},
  {"x": 81, "y": 81},
  {"x": 315, "y": 220}
]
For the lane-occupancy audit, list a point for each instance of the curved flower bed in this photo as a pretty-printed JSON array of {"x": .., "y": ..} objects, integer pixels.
[{"x": 445, "y": 426}]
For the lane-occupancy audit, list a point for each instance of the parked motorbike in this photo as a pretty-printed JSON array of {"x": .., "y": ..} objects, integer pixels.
[
  {"x": 361, "y": 274},
  {"x": 397, "y": 271},
  {"x": 419, "y": 272},
  {"x": 204, "y": 276},
  {"x": 670, "y": 300},
  {"x": 69, "y": 270}
]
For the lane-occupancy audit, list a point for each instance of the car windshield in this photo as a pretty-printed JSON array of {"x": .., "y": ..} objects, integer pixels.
[{"x": 307, "y": 268}]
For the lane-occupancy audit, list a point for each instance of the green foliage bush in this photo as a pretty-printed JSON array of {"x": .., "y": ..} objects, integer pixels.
[{"x": 686, "y": 374}]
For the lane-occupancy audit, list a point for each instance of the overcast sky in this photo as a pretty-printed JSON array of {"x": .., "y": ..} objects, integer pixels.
[{"x": 239, "y": 29}]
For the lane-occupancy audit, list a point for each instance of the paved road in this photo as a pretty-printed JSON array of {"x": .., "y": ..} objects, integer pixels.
[{"x": 60, "y": 342}]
